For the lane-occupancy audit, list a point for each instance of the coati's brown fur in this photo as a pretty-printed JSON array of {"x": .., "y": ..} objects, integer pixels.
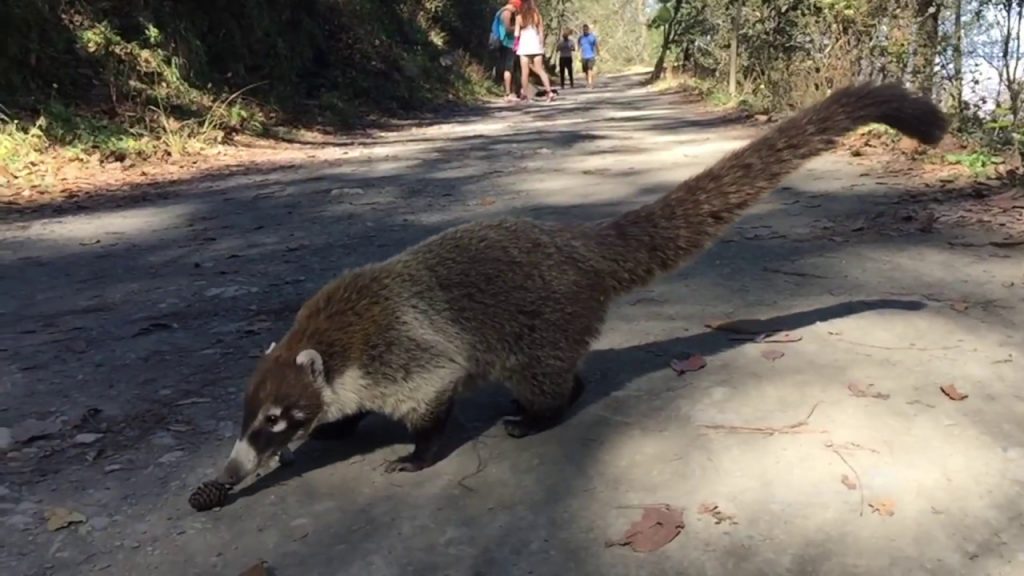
[{"x": 520, "y": 301}]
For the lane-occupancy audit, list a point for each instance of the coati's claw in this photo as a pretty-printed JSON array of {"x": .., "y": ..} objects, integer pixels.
[
  {"x": 407, "y": 463},
  {"x": 285, "y": 457},
  {"x": 518, "y": 428}
]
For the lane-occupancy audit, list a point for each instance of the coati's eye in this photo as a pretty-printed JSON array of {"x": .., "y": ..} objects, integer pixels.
[{"x": 272, "y": 419}]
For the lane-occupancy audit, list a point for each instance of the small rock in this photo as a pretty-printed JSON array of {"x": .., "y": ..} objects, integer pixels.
[
  {"x": 162, "y": 439},
  {"x": 6, "y": 440},
  {"x": 113, "y": 468},
  {"x": 230, "y": 291},
  {"x": 171, "y": 457},
  {"x": 20, "y": 522},
  {"x": 87, "y": 438},
  {"x": 99, "y": 523},
  {"x": 32, "y": 429}
]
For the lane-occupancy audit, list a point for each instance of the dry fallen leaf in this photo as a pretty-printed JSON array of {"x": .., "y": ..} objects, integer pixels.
[
  {"x": 951, "y": 391},
  {"x": 57, "y": 518},
  {"x": 960, "y": 306},
  {"x": 849, "y": 482},
  {"x": 658, "y": 526},
  {"x": 691, "y": 364},
  {"x": 856, "y": 390},
  {"x": 772, "y": 354},
  {"x": 712, "y": 509},
  {"x": 883, "y": 507}
]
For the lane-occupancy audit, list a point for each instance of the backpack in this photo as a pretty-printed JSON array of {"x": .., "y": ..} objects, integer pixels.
[{"x": 498, "y": 31}]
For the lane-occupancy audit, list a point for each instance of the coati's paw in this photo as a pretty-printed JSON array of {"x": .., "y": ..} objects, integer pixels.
[
  {"x": 285, "y": 457},
  {"x": 407, "y": 463},
  {"x": 518, "y": 428}
]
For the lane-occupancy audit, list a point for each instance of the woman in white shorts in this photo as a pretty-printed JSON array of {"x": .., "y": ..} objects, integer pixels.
[{"x": 530, "y": 46}]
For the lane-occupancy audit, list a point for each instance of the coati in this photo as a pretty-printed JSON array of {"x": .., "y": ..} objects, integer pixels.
[{"x": 515, "y": 300}]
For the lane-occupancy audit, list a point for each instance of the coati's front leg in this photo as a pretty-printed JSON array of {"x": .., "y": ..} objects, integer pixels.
[
  {"x": 543, "y": 399},
  {"x": 427, "y": 427}
]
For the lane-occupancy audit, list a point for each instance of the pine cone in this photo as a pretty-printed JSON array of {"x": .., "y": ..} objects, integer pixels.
[{"x": 208, "y": 495}]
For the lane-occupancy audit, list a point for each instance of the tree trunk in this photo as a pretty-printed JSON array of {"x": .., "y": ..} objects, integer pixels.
[
  {"x": 734, "y": 40},
  {"x": 958, "y": 58},
  {"x": 668, "y": 36},
  {"x": 927, "y": 15}
]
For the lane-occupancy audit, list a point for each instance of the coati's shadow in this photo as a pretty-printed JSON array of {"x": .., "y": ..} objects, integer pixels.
[{"x": 604, "y": 372}]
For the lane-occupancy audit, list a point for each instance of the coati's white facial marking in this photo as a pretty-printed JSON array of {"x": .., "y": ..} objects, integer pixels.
[
  {"x": 270, "y": 348},
  {"x": 242, "y": 462},
  {"x": 279, "y": 410},
  {"x": 274, "y": 420}
]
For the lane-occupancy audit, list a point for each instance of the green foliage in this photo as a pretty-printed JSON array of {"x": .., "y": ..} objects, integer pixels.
[
  {"x": 115, "y": 78},
  {"x": 978, "y": 162}
]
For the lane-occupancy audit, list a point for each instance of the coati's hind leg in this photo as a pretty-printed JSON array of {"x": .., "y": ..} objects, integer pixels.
[
  {"x": 543, "y": 399},
  {"x": 427, "y": 426}
]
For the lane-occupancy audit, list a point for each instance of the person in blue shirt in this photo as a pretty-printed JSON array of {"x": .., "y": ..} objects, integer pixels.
[{"x": 589, "y": 51}]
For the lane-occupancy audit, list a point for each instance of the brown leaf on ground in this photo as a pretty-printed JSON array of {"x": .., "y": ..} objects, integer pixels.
[
  {"x": 712, "y": 509},
  {"x": 772, "y": 355},
  {"x": 960, "y": 306},
  {"x": 951, "y": 391},
  {"x": 850, "y": 483},
  {"x": 257, "y": 569},
  {"x": 57, "y": 518},
  {"x": 658, "y": 526},
  {"x": 691, "y": 364},
  {"x": 883, "y": 507},
  {"x": 860, "y": 392}
]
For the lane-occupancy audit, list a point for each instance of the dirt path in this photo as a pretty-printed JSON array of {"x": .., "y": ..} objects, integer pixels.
[{"x": 141, "y": 324}]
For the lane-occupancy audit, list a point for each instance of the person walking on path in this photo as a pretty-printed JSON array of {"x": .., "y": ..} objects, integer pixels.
[
  {"x": 589, "y": 51},
  {"x": 565, "y": 50},
  {"x": 530, "y": 46},
  {"x": 502, "y": 28}
]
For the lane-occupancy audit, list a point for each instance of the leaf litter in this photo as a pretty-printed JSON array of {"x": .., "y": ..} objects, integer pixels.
[
  {"x": 57, "y": 518},
  {"x": 953, "y": 394},
  {"x": 691, "y": 363},
  {"x": 713, "y": 510},
  {"x": 772, "y": 354},
  {"x": 658, "y": 525},
  {"x": 883, "y": 507},
  {"x": 860, "y": 392}
]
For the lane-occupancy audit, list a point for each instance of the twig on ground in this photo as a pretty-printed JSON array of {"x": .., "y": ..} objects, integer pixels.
[
  {"x": 880, "y": 347},
  {"x": 794, "y": 273},
  {"x": 480, "y": 467},
  {"x": 860, "y": 485},
  {"x": 794, "y": 428}
]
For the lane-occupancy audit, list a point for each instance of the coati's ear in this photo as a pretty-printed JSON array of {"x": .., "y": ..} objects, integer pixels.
[
  {"x": 272, "y": 344},
  {"x": 310, "y": 360}
]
